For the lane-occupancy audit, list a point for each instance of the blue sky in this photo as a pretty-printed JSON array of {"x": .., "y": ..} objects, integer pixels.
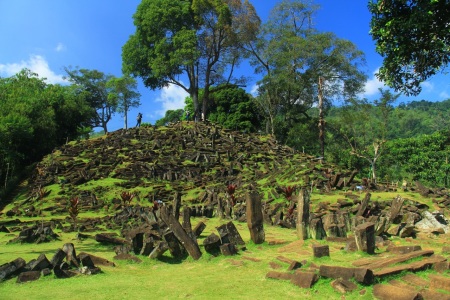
[{"x": 47, "y": 35}]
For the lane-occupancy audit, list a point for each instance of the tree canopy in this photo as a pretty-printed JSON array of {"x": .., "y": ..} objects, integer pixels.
[
  {"x": 93, "y": 85},
  {"x": 199, "y": 39},
  {"x": 292, "y": 55},
  {"x": 36, "y": 117},
  {"x": 234, "y": 109},
  {"x": 364, "y": 127},
  {"x": 414, "y": 39},
  {"x": 171, "y": 116},
  {"x": 123, "y": 93}
]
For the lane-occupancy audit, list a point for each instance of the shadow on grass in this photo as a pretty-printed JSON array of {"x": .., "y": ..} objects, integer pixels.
[{"x": 173, "y": 260}]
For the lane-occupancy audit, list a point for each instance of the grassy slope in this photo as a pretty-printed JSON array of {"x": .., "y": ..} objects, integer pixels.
[{"x": 209, "y": 278}]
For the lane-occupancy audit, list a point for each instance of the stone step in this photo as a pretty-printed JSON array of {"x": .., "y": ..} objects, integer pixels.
[
  {"x": 380, "y": 263},
  {"x": 412, "y": 267},
  {"x": 389, "y": 292}
]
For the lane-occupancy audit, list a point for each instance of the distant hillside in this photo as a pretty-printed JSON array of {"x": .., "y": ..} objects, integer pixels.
[{"x": 195, "y": 159}]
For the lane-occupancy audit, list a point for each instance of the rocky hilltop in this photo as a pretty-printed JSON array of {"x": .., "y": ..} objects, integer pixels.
[{"x": 195, "y": 159}]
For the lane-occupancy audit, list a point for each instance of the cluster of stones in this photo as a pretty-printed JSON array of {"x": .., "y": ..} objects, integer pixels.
[
  {"x": 30, "y": 232},
  {"x": 367, "y": 230},
  {"x": 138, "y": 156},
  {"x": 399, "y": 217},
  {"x": 369, "y": 271},
  {"x": 64, "y": 264},
  {"x": 186, "y": 154},
  {"x": 160, "y": 230}
]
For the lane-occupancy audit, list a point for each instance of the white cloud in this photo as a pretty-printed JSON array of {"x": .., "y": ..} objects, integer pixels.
[
  {"x": 172, "y": 98},
  {"x": 60, "y": 47},
  {"x": 372, "y": 85},
  {"x": 37, "y": 64},
  {"x": 427, "y": 86},
  {"x": 254, "y": 90},
  {"x": 444, "y": 95}
]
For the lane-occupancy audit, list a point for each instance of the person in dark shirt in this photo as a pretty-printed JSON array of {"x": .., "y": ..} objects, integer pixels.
[{"x": 139, "y": 119}]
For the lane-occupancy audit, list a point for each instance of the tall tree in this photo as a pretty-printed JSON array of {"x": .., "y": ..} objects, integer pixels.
[
  {"x": 92, "y": 83},
  {"x": 196, "y": 40},
  {"x": 171, "y": 116},
  {"x": 414, "y": 39},
  {"x": 423, "y": 157},
  {"x": 292, "y": 55},
  {"x": 234, "y": 108},
  {"x": 123, "y": 92},
  {"x": 364, "y": 126},
  {"x": 35, "y": 117}
]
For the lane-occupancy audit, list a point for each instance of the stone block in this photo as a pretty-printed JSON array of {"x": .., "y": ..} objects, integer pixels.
[
  {"x": 321, "y": 250},
  {"x": 40, "y": 263},
  {"x": 279, "y": 275},
  {"x": 228, "y": 249},
  {"x": 304, "y": 279},
  {"x": 389, "y": 292},
  {"x": 365, "y": 237},
  {"x": 343, "y": 286},
  {"x": 439, "y": 282},
  {"x": 28, "y": 276}
]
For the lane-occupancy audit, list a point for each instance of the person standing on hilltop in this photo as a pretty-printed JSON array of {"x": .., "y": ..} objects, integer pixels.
[{"x": 139, "y": 119}]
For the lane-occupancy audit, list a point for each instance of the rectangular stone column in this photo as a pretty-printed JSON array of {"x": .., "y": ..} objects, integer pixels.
[
  {"x": 303, "y": 200},
  {"x": 365, "y": 237},
  {"x": 255, "y": 218},
  {"x": 177, "y": 205},
  {"x": 189, "y": 244}
]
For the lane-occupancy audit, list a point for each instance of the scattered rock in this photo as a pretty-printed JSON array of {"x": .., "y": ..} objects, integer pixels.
[
  {"x": 389, "y": 292},
  {"x": 28, "y": 276},
  {"x": 343, "y": 286},
  {"x": 321, "y": 250}
]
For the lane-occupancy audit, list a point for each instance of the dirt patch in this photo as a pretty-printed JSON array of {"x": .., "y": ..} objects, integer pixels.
[{"x": 294, "y": 247}]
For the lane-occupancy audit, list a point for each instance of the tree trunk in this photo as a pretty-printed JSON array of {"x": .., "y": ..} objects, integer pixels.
[
  {"x": 125, "y": 116},
  {"x": 321, "y": 121},
  {"x": 374, "y": 176}
]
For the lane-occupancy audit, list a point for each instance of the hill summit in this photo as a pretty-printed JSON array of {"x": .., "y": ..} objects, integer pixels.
[{"x": 193, "y": 158}]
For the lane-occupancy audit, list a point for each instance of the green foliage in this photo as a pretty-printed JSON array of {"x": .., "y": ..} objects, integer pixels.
[
  {"x": 234, "y": 109},
  {"x": 92, "y": 84},
  {"x": 424, "y": 158},
  {"x": 291, "y": 55},
  {"x": 364, "y": 127},
  {"x": 123, "y": 92},
  {"x": 200, "y": 39},
  {"x": 419, "y": 117},
  {"x": 35, "y": 117},
  {"x": 301, "y": 135},
  {"x": 414, "y": 39},
  {"x": 415, "y": 135},
  {"x": 171, "y": 116}
]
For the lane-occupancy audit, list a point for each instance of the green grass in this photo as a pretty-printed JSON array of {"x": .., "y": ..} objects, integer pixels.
[{"x": 208, "y": 278}]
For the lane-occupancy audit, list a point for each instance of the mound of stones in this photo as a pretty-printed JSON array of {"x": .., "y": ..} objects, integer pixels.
[
  {"x": 38, "y": 233},
  {"x": 64, "y": 264},
  {"x": 158, "y": 230},
  {"x": 186, "y": 155},
  {"x": 398, "y": 217}
]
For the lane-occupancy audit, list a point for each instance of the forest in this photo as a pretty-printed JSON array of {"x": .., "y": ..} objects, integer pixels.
[{"x": 308, "y": 97}]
